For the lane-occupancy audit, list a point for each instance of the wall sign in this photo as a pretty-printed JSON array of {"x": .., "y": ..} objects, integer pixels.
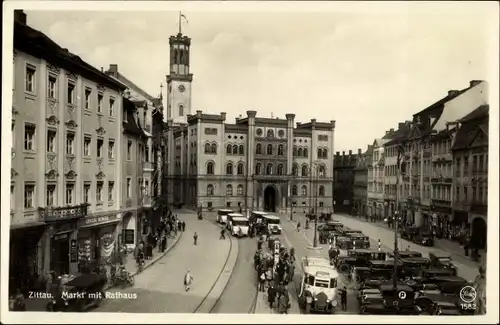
[
  {"x": 73, "y": 251},
  {"x": 129, "y": 235},
  {"x": 97, "y": 220}
]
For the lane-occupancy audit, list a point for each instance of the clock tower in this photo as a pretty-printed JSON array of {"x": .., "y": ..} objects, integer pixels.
[{"x": 179, "y": 80}]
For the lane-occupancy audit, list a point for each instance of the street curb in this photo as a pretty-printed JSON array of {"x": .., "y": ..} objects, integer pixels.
[
  {"x": 207, "y": 305},
  {"x": 153, "y": 262}
]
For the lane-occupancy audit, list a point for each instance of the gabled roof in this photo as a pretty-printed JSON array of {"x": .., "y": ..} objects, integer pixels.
[
  {"x": 480, "y": 112},
  {"x": 36, "y": 43},
  {"x": 131, "y": 126},
  {"x": 369, "y": 151},
  {"x": 474, "y": 122}
]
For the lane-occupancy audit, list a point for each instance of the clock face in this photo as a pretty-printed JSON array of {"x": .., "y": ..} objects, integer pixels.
[{"x": 182, "y": 88}]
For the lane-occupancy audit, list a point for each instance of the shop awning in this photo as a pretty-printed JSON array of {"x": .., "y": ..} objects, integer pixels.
[{"x": 27, "y": 225}]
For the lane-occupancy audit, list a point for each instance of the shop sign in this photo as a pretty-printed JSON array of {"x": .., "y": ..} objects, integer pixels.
[
  {"x": 63, "y": 213},
  {"x": 129, "y": 236},
  {"x": 61, "y": 236},
  {"x": 97, "y": 220},
  {"x": 73, "y": 251}
]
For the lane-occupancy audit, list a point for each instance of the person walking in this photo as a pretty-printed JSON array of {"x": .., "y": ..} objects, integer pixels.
[
  {"x": 183, "y": 226},
  {"x": 284, "y": 302},
  {"x": 195, "y": 238},
  {"x": 271, "y": 295},
  {"x": 262, "y": 280},
  {"x": 343, "y": 298},
  {"x": 179, "y": 225},
  {"x": 188, "y": 280}
]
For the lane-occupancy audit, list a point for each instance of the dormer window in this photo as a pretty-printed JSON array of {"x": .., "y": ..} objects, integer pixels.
[{"x": 125, "y": 115}]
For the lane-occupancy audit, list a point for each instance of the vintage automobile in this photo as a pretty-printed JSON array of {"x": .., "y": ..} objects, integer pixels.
[
  {"x": 368, "y": 254},
  {"x": 442, "y": 261},
  {"x": 358, "y": 258},
  {"x": 347, "y": 231},
  {"x": 318, "y": 289},
  {"x": 424, "y": 238},
  {"x": 446, "y": 284},
  {"x": 414, "y": 263},
  {"x": 86, "y": 291},
  {"x": 397, "y": 300},
  {"x": 405, "y": 254},
  {"x": 222, "y": 215},
  {"x": 408, "y": 232},
  {"x": 359, "y": 240},
  {"x": 324, "y": 234},
  {"x": 431, "y": 301}
]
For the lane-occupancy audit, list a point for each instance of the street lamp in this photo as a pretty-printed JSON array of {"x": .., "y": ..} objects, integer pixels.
[
  {"x": 314, "y": 183},
  {"x": 396, "y": 221}
]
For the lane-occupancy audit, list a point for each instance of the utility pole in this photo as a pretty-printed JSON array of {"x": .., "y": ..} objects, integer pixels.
[
  {"x": 315, "y": 186},
  {"x": 396, "y": 220}
]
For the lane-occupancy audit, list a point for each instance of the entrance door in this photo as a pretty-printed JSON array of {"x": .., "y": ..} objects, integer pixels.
[
  {"x": 270, "y": 199},
  {"x": 60, "y": 254},
  {"x": 479, "y": 233}
]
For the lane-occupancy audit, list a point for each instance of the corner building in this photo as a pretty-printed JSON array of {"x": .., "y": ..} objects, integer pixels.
[{"x": 256, "y": 163}]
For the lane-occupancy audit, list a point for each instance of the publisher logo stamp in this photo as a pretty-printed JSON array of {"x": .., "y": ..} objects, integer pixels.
[{"x": 468, "y": 294}]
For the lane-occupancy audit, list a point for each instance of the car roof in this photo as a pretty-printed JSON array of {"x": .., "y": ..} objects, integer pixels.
[
  {"x": 240, "y": 218},
  {"x": 366, "y": 250},
  {"x": 235, "y": 215},
  {"x": 415, "y": 259},
  {"x": 357, "y": 234},
  {"x": 314, "y": 269},
  {"x": 400, "y": 287},
  {"x": 272, "y": 217},
  {"x": 225, "y": 210},
  {"x": 259, "y": 212}
]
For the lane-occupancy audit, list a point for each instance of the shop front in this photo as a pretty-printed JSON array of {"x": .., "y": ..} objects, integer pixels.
[
  {"x": 129, "y": 229},
  {"x": 61, "y": 237},
  {"x": 97, "y": 240},
  {"x": 441, "y": 221}
]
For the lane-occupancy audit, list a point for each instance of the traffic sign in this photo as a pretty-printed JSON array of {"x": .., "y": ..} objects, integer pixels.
[{"x": 402, "y": 295}]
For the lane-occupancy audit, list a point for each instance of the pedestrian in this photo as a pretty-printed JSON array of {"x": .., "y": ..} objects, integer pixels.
[
  {"x": 163, "y": 244},
  {"x": 271, "y": 295},
  {"x": 188, "y": 280},
  {"x": 222, "y": 234},
  {"x": 179, "y": 225},
  {"x": 343, "y": 298},
  {"x": 183, "y": 226},
  {"x": 284, "y": 302},
  {"x": 269, "y": 276},
  {"x": 262, "y": 280},
  {"x": 195, "y": 237}
]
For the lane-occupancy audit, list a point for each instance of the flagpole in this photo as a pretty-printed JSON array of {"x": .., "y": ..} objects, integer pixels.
[{"x": 180, "y": 17}]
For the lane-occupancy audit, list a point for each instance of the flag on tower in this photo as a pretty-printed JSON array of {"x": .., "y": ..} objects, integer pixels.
[{"x": 182, "y": 16}]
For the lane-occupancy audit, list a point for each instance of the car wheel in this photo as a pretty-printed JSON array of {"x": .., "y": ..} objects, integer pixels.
[{"x": 344, "y": 268}]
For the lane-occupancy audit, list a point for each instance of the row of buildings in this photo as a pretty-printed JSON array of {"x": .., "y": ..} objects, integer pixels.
[
  {"x": 87, "y": 152},
  {"x": 442, "y": 182}
]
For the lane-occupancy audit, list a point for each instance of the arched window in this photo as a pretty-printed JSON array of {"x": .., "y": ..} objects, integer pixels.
[
  {"x": 294, "y": 190},
  {"x": 241, "y": 168},
  {"x": 258, "y": 149},
  {"x": 321, "y": 191},
  {"x": 299, "y": 152},
  {"x": 229, "y": 169},
  {"x": 269, "y": 149},
  {"x": 210, "y": 190},
  {"x": 325, "y": 153},
  {"x": 294, "y": 152},
  {"x": 320, "y": 153},
  {"x": 181, "y": 57},
  {"x": 181, "y": 110},
  {"x": 258, "y": 168},
  {"x": 229, "y": 149},
  {"x": 214, "y": 148},
  {"x": 239, "y": 190},
  {"x": 281, "y": 150},
  {"x": 241, "y": 150},
  {"x": 210, "y": 168},
  {"x": 176, "y": 58},
  {"x": 305, "y": 152},
  {"x": 304, "y": 190},
  {"x": 229, "y": 190},
  {"x": 295, "y": 170},
  {"x": 281, "y": 169},
  {"x": 322, "y": 171},
  {"x": 207, "y": 147},
  {"x": 304, "y": 170},
  {"x": 269, "y": 169},
  {"x": 235, "y": 149},
  {"x": 270, "y": 133}
]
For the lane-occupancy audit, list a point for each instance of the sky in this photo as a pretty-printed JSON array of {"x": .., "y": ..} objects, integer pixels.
[{"x": 366, "y": 70}]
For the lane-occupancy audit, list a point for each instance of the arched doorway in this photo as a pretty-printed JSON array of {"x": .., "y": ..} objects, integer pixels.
[
  {"x": 479, "y": 232},
  {"x": 270, "y": 199}
]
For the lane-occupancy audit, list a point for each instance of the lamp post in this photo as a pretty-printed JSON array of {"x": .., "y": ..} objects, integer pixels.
[
  {"x": 396, "y": 221},
  {"x": 314, "y": 182}
]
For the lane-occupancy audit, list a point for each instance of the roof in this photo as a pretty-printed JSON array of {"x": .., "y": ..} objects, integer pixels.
[
  {"x": 474, "y": 122},
  {"x": 369, "y": 151},
  {"x": 235, "y": 214},
  {"x": 129, "y": 83},
  {"x": 480, "y": 112},
  {"x": 131, "y": 126},
  {"x": 36, "y": 43},
  {"x": 399, "y": 135},
  {"x": 259, "y": 212},
  {"x": 239, "y": 218},
  {"x": 272, "y": 217}
]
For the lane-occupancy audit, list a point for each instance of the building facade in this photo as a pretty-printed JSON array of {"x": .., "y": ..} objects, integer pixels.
[
  {"x": 145, "y": 107},
  {"x": 66, "y": 161},
  {"x": 418, "y": 151},
  {"x": 343, "y": 192},
  {"x": 361, "y": 183},
  {"x": 470, "y": 181}
]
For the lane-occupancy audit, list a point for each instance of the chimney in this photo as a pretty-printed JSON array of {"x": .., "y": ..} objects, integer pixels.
[
  {"x": 20, "y": 17},
  {"x": 298, "y": 124},
  {"x": 350, "y": 152},
  {"x": 391, "y": 130},
  {"x": 474, "y": 83},
  {"x": 113, "y": 68},
  {"x": 223, "y": 115},
  {"x": 343, "y": 153},
  {"x": 387, "y": 132},
  {"x": 452, "y": 93},
  {"x": 401, "y": 125},
  {"x": 359, "y": 152},
  {"x": 338, "y": 153}
]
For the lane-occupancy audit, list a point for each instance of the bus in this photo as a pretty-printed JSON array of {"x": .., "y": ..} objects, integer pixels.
[
  {"x": 237, "y": 222},
  {"x": 255, "y": 216},
  {"x": 273, "y": 223},
  {"x": 222, "y": 215}
]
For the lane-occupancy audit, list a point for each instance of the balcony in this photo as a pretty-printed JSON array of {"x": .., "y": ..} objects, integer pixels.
[
  {"x": 147, "y": 165},
  {"x": 63, "y": 213}
]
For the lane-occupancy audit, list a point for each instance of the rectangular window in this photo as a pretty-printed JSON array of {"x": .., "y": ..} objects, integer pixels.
[
  {"x": 480, "y": 168},
  {"x": 480, "y": 196},
  {"x": 51, "y": 193},
  {"x": 100, "y": 144},
  {"x": 52, "y": 87},
  {"x": 111, "y": 149},
  {"x": 30, "y": 78},
  {"x": 29, "y": 196},
  {"x": 71, "y": 93},
  {"x": 129, "y": 150},
  {"x": 70, "y": 144},
  {"x": 99, "y": 103},
  {"x": 466, "y": 197},
  {"x": 86, "y": 192},
  {"x": 88, "y": 94},
  {"x": 146, "y": 153},
  {"x": 98, "y": 192},
  {"x": 474, "y": 165},
  {"x": 111, "y": 106},
  {"x": 129, "y": 188},
  {"x": 29, "y": 137},
  {"x": 87, "y": 142},
  {"x": 51, "y": 140},
  {"x": 70, "y": 192},
  {"x": 474, "y": 193},
  {"x": 466, "y": 166},
  {"x": 111, "y": 188},
  {"x": 457, "y": 167}
]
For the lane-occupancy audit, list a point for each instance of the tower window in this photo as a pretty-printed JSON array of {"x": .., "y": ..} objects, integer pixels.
[
  {"x": 181, "y": 57},
  {"x": 181, "y": 110}
]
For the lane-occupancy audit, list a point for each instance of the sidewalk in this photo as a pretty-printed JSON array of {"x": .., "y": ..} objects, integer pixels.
[{"x": 160, "y": 289}]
